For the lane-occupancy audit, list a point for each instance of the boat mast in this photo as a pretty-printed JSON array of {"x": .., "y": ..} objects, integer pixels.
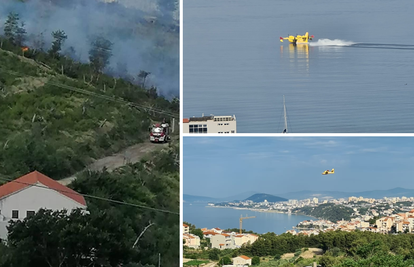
[{"x": 284, "y": 109}]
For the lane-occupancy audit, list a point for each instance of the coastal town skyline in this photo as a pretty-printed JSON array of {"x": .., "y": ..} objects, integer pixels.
[{"x": 292, "y": 164}]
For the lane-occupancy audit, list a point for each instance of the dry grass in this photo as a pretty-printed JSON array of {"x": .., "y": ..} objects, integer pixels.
[{"x": 308, "y": 254}]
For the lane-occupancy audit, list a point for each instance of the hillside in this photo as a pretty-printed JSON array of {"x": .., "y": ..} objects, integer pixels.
[
  {"x": 263, "y": 197},
  {"x": 66, "y": 109},
  {"x": 58, "y": 124},
  {"x": 329, "y": 211}
]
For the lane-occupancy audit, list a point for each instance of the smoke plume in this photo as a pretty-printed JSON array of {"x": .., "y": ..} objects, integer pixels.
[{"x": 144, "y": 37}]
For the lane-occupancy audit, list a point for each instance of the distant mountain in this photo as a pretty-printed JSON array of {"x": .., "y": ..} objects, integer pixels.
[
  {"x": 263, "y": 197},
  {"x": 238, "y": 197},
  {"x": 394, "y": 192}
]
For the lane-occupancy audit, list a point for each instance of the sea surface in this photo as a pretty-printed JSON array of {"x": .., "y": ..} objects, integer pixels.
[
  {"x": 203, "y": 216},
  {"x": 357, "y": 75}
]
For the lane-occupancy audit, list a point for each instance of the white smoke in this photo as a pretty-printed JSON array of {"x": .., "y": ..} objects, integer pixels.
[{"x": 143, "y": 39}]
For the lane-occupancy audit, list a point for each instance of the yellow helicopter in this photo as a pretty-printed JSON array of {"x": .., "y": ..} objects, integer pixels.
[
  {"x": 299, "y": 39},
  {"x": 328, "y": 172}
]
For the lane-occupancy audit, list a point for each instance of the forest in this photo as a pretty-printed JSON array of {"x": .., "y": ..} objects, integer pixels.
[{"x": 339, "y": 249}]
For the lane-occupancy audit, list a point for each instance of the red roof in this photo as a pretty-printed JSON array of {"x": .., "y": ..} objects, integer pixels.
[
  {"x": 31, "y": 179},
  {"x": 209, "y": 233},
  {"x": 244, "y": 257},
  {"x": 186, "y": 120},
  {"x": 185, "y": 225}
]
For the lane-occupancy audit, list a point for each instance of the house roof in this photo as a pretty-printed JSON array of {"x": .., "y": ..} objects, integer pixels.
[
  {"x": 186, "y": 120},
  {"x": 244, "y": 257},
  {"x": 185, "y": 225},
  {"x": 209, "y": 233},
  {"x": 34, "y": 177}
]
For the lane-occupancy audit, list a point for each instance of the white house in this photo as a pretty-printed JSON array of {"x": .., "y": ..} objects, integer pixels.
[
  {"x": 24, "y": 196},
  {"x": 242, "y": 261},
  {"x": 191, "y": 241}
]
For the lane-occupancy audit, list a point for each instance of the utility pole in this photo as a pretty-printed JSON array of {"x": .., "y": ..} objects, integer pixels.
[
  {"x": 173, "y": 124},
  {"x": 159, "y": 259}
]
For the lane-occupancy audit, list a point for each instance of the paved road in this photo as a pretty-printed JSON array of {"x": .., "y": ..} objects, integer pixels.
[{"x": 131, "y": 154}]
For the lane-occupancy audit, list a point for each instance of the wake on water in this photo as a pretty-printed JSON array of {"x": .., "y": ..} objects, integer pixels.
[
  {"x": 342, "y": 43},
  {"x": 328, "y": 42}
]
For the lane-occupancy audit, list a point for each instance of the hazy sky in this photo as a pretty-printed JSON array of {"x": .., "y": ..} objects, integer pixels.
[{"x": 226, "y": 166}]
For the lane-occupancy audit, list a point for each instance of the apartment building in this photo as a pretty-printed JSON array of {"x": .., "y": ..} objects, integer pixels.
[{"x": 210, "y": 124}]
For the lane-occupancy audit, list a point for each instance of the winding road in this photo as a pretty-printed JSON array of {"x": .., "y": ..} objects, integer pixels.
[{"x": 131, "y": 154}]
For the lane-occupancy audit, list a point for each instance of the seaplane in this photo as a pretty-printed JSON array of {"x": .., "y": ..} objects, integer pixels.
[
  {"x": 328, "y": 172},
  {"x": 298, "y": 39}
]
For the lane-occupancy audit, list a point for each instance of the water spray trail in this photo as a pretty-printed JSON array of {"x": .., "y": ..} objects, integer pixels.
[{"x": 328, "y": 42}]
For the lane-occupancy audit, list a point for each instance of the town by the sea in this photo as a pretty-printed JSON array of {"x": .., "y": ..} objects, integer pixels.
[{"x": 204, "y": 216}]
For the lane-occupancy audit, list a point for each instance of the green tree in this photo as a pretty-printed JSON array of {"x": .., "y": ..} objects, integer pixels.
[
  {"x": 197, "y": 232},
  {"x": 59, "y": 37},
  {"x": 143, "y": 76},
  {"x": 56, "y": 238},
  {"x": 100, "y": 53},
  {"x": 225, "y": 261},
  {"x": 255, "y": 260},
  {"x": 152, "y": 92},
  {"x": 11, "y": 27},
  {"x": 20, "y": 36},
  {"x": 213, "y": 254}
]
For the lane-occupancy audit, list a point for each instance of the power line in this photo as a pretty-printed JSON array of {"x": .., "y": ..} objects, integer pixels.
[
  {"x": 94, "y": 197},
  {"x": 105, "y": 97}
]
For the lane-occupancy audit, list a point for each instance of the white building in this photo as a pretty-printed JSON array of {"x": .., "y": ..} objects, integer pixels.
[
  {"x": 186, "y": 229},
  {"x": 24, "y": 196},
  {"x": 242, "y": 261},
  {"x": 191, "y": 241},
  {"x": 210, "y": 124}
]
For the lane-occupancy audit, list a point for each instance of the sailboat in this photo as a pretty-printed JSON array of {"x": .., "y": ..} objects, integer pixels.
[{"x": 284, "y": 109}]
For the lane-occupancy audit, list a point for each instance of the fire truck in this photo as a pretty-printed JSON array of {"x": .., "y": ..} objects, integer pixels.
[{"x": 160, "y": 132}]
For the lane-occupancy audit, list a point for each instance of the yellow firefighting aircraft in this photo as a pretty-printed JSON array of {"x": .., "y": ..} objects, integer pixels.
[
  {"x": 299, "y": 39},
  {"x": 328, "y": 172}
]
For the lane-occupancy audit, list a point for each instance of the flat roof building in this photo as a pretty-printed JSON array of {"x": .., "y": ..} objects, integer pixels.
[{"x": 210, "y": 124}]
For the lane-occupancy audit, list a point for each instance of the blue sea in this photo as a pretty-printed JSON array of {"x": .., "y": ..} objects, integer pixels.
[
  {"x": 203, "y": 216},
  {"x": 355, "y": 77}
]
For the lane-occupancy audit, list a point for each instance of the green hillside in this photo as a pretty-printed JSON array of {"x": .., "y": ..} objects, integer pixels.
[
  {"x": 58, "y": 123},
  {"x": 327, "y": 211},
  {"x": 57, "y": 116}
]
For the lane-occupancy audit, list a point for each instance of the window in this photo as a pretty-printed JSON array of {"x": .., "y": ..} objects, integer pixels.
[
  {"x": 15, "y": 214},
  {"x": 232, "y": 131},
  {"x": 30, "y": 213},
  {"x": 199, "y": 128}
]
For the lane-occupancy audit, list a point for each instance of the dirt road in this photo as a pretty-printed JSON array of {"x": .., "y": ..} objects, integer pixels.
[
  {"x": 131, "y": 154},
  {"x": 210, "y": 264}
]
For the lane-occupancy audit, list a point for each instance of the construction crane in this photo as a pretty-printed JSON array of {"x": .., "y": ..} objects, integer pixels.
[{"x": 241, "y": 221}]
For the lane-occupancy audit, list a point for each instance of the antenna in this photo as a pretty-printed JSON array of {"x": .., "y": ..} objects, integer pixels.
[{"x": 284, "y": 109}]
